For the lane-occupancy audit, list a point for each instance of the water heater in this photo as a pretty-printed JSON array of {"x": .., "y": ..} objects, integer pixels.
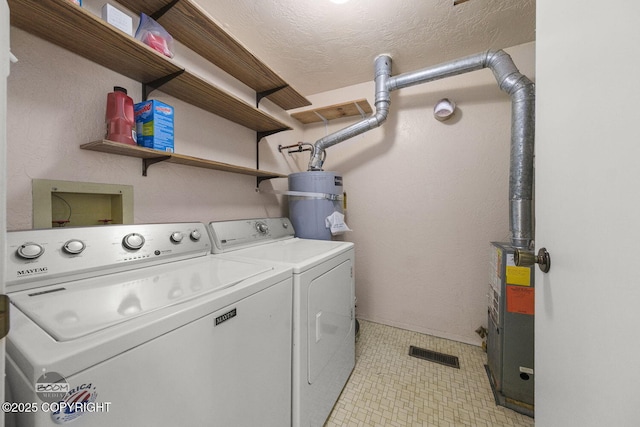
[{"x": 313, "y": 196}]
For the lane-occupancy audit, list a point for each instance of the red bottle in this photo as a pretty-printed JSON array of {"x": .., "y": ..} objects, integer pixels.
[{"x": 121, "y": 126}]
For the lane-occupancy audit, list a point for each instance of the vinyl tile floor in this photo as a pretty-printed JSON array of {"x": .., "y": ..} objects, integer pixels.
[{"x": 389, "y": 388}]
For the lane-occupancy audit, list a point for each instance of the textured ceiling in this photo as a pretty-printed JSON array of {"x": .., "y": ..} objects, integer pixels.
[{"x": 316, "y": 45}]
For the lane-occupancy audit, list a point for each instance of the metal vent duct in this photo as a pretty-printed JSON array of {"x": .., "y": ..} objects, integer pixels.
[{"x": 510, "y": 80}]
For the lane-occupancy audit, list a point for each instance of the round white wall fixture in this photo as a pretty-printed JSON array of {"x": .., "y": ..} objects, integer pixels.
[{"x": 444, "y": 109}]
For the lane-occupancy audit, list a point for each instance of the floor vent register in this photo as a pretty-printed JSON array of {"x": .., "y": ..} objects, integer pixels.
[{"x": 433, "y": 356}]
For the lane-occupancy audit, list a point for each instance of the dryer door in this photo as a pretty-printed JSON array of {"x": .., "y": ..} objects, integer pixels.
[{"x": 330, "y": 320}]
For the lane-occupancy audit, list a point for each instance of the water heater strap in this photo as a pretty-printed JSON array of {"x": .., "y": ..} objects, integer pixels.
[{"x": 309, "y": 195}]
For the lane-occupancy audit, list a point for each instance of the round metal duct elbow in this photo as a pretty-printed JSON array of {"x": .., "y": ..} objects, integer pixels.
[{"x": 382, "y": 102}]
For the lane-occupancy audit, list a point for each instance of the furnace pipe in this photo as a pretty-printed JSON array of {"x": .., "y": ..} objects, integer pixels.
[
  {"x": 510, "y": 80},
  {"x": 382, "y": 101},
  {"x": 522, "y": 93}
]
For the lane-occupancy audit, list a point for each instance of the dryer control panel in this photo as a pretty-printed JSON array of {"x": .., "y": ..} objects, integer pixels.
[
  {"x": 43, "y": 257},
  {"x": 228, "y": 236}
]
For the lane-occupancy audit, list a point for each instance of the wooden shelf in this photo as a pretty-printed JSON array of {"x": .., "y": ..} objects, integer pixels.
[
  {"x": 196, "y": 91},
  {"x": 79, "y": 31},
  {"x": 331, "y": 112},
  {"x": 196, "y": 29},
  {"x": 150, "y": 157}
]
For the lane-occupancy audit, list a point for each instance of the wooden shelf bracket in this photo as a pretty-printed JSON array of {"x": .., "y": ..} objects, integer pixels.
[
  {"x": 259, "y": 137},
  {"x": 149, "y": 87},
  {"x": 158, "y": 13},
  {"x": 326, "y": 122},
  {"x": 360, "y": 110},
  {"x": 266, "y": 93},
  {"x": 146, "y": 163}
]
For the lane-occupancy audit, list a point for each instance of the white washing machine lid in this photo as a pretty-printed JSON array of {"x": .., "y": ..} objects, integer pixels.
[
  {"x": 74, "y": 309},
  {"x": 300, "y": 254}
]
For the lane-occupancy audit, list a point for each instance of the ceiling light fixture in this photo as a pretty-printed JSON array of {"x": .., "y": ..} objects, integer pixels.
[{"x": 339, "y": 1}]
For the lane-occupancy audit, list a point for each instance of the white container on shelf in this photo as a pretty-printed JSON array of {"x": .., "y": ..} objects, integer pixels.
[{"x": 117, "y": 18}]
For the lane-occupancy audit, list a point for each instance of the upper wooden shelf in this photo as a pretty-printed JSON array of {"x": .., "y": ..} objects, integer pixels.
[
  {"x": 196, "y": 91},
  {"x": 150, "y": 157},
  {"x": 78, "y": 30},
  {"x": 331, "y": 112},
  {"x": 192, "y": 26}
]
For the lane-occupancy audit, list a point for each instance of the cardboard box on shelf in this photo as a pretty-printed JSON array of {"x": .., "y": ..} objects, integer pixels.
[{"x": 154, "y": 125}]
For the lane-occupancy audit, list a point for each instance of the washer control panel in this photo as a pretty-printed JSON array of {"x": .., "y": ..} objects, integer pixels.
[
  {"x": 43, "y": 257},
  {"x": 262, "y": 227},
  {"x": 133, "y": 241},
  {"x": 227, "y": 236},
  {"x": 73, "y": 246}
]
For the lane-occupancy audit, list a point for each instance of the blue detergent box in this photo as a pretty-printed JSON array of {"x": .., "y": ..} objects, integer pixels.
[{"x": 154, "y": 125}]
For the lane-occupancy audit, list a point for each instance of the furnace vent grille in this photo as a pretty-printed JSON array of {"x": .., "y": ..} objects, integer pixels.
[{"x": 433, "y": 356}]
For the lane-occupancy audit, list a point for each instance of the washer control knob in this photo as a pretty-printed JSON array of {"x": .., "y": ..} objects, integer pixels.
[
  {"x": 30, "y": 250},
  {"x": 73, "y": 246},
  {"x": 262, "y": 227},
  {"x": 133, "y": 241},
  {"x": 285, "y": 224},
  {"x": 195, "y": 235},
  {"x": 176, "y": 237}
]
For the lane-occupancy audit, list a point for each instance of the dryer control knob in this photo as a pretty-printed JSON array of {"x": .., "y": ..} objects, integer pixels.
[
  {"x": 176, "y": 237},
  {"x": 195, "y": 235},
  {"x": 262, "y": 227},
  {"x": 133, "y": 241},
  {"x": 73, "y": 246},
  {"x": 30, "y": 250}
]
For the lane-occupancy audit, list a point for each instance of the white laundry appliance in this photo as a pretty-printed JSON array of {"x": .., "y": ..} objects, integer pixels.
[
  {"x": 323, "y": 305},
  {"x": 138, "y": 325}
]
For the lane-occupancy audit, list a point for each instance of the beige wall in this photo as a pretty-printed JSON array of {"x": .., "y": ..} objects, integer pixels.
[
  {"x": 57, "y": 101},
  {"x": 425, "y": 198}
]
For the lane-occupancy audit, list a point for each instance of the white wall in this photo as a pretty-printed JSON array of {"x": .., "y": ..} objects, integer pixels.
[
  {"x": 57, "y": 101},
  {"x": 587, "y": 208},
  {"x": 425, "y": 198}
]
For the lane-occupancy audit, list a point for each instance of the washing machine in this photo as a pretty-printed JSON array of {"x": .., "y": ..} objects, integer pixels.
[
  {"x": 323, "y": 305},
  {"x": 138, "y": 325}
]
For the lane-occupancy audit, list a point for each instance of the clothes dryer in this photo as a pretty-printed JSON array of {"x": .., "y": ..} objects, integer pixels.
[{"x": 323, "y": 305}]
